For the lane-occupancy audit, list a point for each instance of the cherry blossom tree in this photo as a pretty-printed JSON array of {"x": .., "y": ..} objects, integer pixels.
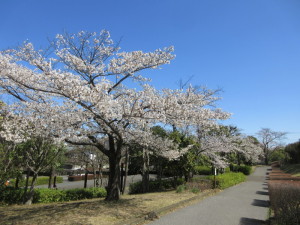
[
  {"x": 269, "y": 140},
  {"x": 77, "y": 94},
  {"x": 217, "y": 144}
]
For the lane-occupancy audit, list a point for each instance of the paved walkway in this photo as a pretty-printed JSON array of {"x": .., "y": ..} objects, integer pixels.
[
  {"x": 90, "y": 183},
  {"x": 243, "y": 204}
]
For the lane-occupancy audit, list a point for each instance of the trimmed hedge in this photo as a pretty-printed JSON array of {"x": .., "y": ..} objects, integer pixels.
[
  {"x": 10, "y": 195},
  {"x": 203, "y": 170},
  {"x": 39, "y": 181},
  {"x": 44, "y": 195},
  {"x": 155, "y": 185},
  {"x": 228, "y": 179},
  {"x": 285, "y": 201},
  {"x": 244, "y": 169}
]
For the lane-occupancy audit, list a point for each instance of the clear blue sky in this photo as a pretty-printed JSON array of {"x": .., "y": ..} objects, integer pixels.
[{"x": 249, "y": 48}]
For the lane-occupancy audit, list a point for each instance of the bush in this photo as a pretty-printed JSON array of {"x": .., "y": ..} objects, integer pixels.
[
  {"x": 285, "y": 201},
  {"x": 228, "y": 179},
  {"x": 244, "y": 169},
  {"x": 43, "y": 195},
  {"x": 10, "y": 195},
  {"x": 180, "y": 188},
  {"x": 195, "y": 190},
  {"x": 203, "y": 170},
  {"x": 155, "y": 185}
]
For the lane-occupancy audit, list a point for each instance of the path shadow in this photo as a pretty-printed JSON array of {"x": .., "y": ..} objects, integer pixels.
[
  {"x": 262, "y": 192},
  {"x": 265, "y": 188},
  {"x": 260, "y": 203},
  {"x": 250, "y": 221}
]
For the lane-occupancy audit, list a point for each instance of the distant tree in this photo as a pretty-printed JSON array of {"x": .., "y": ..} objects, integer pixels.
[
  {"x": 269, "y": 140},
  {"x": 279, "y": 154},
  {"x": 39, "y": 154}
]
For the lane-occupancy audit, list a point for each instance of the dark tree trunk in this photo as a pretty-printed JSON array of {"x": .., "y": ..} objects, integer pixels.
[
  {"x": 29, "y": 195},
  {"x": 85, "y": 179},
  {"x": 266, "y": 156},
  {"x": 145, "y": 172},
  {"x": 126, "y": 171},
  {"x": 238, "y": 159},
  {"x": 17, "y": 182},
  {"x": 54, "y": 182},
  {"x": 100, "y": 178},
  {"x": 50, "y": 178},
  {"x": 26, "y": 185},
  {"x": 113, "y": 188}
]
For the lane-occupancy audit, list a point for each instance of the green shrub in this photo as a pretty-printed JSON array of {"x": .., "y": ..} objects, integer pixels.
[
  {"x": 203, "y": 170},
  {"x": 195, "y": 190},
  {"x": 180, "y": 188},
  {"x": 228, "y": 179},
  {"x": 155, "y": 185},
  {"x": 10, "y": 195},
  {"x": 44, "y": 195},
  {"x": 244, "y": 169},
  {"x": 227, "y": 169}
]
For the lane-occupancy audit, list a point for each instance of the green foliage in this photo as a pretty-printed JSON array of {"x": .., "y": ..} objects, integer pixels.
[
  {"x": 243, "y": 168},
  {"x": 228, "y": 179},
  {"x": 180, "y": 188},
  {"x": 293, "y": 151},
  {"x": 39, "y": 181},
  {"x": 278, "y": 155},
  {"x": 155, "y": 185},
  {"x": 43, "y": 195},
  {"x": 10, "y": 195},
  {"x": 195, "y": 190},
  {"x": 203, "y": 170},
  {"x": 227, "y": 169}
]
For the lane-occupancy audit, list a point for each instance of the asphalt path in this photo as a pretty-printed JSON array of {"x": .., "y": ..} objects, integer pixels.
[
  {"x": 90, "y": 183},
  {"x": 243, "y": 204}
]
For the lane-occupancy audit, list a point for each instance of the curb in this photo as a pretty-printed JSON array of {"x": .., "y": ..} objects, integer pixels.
[{"x": 154, "y": 214}]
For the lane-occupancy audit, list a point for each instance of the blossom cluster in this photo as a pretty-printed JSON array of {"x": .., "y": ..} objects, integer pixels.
[{"x": 78, "y": 94}]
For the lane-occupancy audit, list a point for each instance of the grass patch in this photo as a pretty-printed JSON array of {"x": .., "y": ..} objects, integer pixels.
[
  {"x": 228, "y": 179},
  {"x": 94, "y": 211},
  {"x": 293, "y": 169}
]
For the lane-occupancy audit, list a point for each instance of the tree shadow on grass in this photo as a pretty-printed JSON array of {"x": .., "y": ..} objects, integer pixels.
[
  {"x": 74, "y": 212},
  {"x": 250, "y": 221}
]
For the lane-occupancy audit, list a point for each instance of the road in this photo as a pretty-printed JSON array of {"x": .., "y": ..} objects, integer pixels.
[
  {"x": 90, "y": 183},
  {"x": 243, "y": 204}
]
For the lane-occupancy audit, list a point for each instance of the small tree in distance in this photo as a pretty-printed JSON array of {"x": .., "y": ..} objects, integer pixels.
[{"x": 269, "y": 140}]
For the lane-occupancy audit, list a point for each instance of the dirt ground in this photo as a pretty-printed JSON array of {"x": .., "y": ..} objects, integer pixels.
[{"x": 95, "y": 211}]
